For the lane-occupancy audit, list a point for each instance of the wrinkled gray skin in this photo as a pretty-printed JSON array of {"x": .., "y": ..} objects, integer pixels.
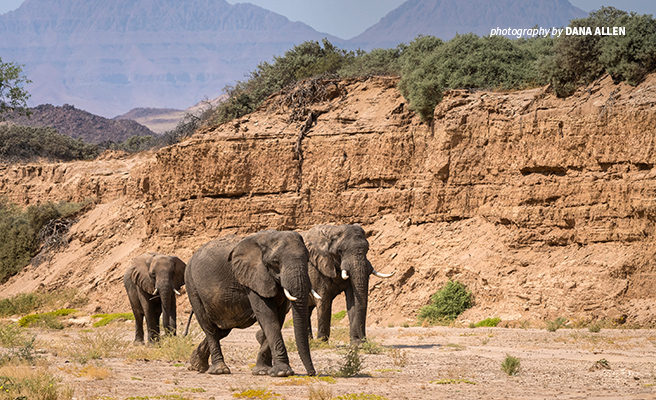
[
  {"x": 334, "y": 249},
  {"x": 233, "y": 283},
  {"x": 146, "y": 273}
]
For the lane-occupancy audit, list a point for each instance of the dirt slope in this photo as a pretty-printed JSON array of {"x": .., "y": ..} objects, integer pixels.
[{"x": 544, "y": 207}]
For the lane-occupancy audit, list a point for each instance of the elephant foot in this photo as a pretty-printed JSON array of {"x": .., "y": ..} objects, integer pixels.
[
  {"x": 197, "y": 363},
  {"x": 281, "y": 371},
  {"x": 138, "y": 342},
  {"x": 218, "y": 369},
  {"x": 261, "y": 370}
]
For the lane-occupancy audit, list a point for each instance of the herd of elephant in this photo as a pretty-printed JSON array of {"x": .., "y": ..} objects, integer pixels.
[{"x": 234, "y": 282}]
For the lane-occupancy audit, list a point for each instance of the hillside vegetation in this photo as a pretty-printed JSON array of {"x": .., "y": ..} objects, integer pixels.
[{"x": 428, "y": 65}]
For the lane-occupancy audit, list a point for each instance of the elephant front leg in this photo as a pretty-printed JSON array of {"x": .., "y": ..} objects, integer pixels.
[
  {"x": 152, "y": 322},
  {"x": 324, "y": 309},
  {"x": 138, "y": 327},
  {"x": 268, "y": 318}
]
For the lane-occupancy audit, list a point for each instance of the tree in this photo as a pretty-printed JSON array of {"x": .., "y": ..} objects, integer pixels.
[{"x": 13, "y": 97}]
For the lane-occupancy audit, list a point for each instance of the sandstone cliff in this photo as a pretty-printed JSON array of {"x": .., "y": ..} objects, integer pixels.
[{"x": 544, "y": 207}]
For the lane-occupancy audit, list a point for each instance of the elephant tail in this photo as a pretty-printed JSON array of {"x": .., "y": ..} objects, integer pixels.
[{"x": 191, "y": 314}]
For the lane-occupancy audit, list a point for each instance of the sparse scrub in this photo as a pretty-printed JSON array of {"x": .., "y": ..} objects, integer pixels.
[
  {"x": 259, "y": 394},
  {"x": 18, "y": 342},
  {"x": 447, "y": 304},
  {"x": 25, "y": 144},
  {"x": 399, "y": 357},
  {"x": 553, "y": 326},
  {"x": 96, "y": 345},
  {"x": 452, "y": 381},
  {"x": 26, "y": 382},
  {"x": 360, "y": 396},
  {"x": 368, "y": 346},
  {"x": 26, "y": 303},
  {"x": 20, "y": 230},
  {"x": 511, "y": 365},
  {"x": 169, "y": 348},
  {"x": 319, "y": 392}
]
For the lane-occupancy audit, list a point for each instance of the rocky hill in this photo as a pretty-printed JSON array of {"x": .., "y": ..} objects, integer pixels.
[
  {"x": 79, "y": 124},
  {"x": 446, "y": 18},
  {"x": 544, "y": 207},
  {"x": 110, "y": 57}
]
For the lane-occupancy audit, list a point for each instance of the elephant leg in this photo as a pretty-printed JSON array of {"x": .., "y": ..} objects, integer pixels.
[
  {"x": 218, "y": 366},
  {"x": 269, "y": 318},
  {"x": 152, "y": 321},
  {"x": 324, "y": 309},
  {"x": 138, "y": 326},
  {"x": 264, "y": 358},
  {"x": 199, "y": 360},
  {"x": 210, "y": 346}
]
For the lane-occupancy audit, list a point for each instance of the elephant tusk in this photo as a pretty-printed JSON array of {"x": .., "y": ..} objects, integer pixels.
[
  {"x": 155, "y": 292},
  {"x": 378, "y": 274},
  {"x": 289, "y": 295},
  {"x": 315, "y": 294},
  {"x": 176, "y": 292},
  {"x": 345, "y": 275}
]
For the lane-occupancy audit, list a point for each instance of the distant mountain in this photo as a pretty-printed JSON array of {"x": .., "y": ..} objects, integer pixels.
[
  {"x": 80, "y": 124},
  {"x": 445, "y": 18},
  {"x": 108, "y": 57},
  {"x": 161, "y": 120}
]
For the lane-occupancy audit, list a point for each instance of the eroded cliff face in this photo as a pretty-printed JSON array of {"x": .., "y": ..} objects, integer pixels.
[{"x": 544, "y": 207}]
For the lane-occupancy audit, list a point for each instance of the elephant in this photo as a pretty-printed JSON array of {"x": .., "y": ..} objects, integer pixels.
[
  {"x": 233, "y": 282},
  {"x": 338, "y": 263},
  {"x": 152, "y": 281}
]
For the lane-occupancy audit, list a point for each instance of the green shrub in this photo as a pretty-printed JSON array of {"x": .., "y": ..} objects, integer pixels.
[
  {"x": 352, "y": 363},
  {"x": 580, "y": 59},
  {"x": 511, "y": 365},
  {"x": 360, "y": 396},
  {"x": 375, "y": 62},
  {"x": 431, "y": 66},
  {"x": 48, "y": 319},
  {"x": 338, "y": 316},
  {"x": 488, "y": 322},
  {"x": 447, "y": 304},
  {"x": 308, "y": 59},
  {"x": 107, "y": 318}
]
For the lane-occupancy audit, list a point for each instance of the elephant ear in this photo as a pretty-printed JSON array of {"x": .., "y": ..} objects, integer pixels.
[
  {"x": 318, "y": 245},
  {"x": 140, "y": 273},
  {"x": 179, "y": 267},
  {"x": 249, "y": 269}
]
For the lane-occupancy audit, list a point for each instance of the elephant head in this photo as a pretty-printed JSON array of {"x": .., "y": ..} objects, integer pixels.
[
  {"x": 339, "y": 254},
  {"x": 161, "y": 275},
  {"x": 271, "y": 263}
]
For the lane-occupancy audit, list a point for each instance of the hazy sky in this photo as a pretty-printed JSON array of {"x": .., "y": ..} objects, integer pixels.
[{"x": 348, "y": 18}]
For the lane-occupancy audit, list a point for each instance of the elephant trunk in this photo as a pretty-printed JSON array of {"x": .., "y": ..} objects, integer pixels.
[
  {"x": 300, "y": 316},
  {"x": 169, "y": 322},
  {"x": 357, "y": 295}
]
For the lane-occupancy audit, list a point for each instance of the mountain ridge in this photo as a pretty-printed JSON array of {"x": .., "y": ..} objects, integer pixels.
[{"x": 446, "y": 18}]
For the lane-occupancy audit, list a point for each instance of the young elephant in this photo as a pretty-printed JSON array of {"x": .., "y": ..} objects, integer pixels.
[
  {"x": 233, "y": 283},
  {"x": 338, "y": 263},
  {"x": 151, "y": 281}
]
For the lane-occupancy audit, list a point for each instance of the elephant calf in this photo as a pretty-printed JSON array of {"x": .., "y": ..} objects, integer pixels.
[{"x": 151, "y": 281}]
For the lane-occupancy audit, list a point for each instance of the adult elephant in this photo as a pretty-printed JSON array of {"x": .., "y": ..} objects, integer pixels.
[
  {"x": 233, "y": 283},
  {"x": 338, "y": 263},
  {"x": 152, "y": 281}
]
